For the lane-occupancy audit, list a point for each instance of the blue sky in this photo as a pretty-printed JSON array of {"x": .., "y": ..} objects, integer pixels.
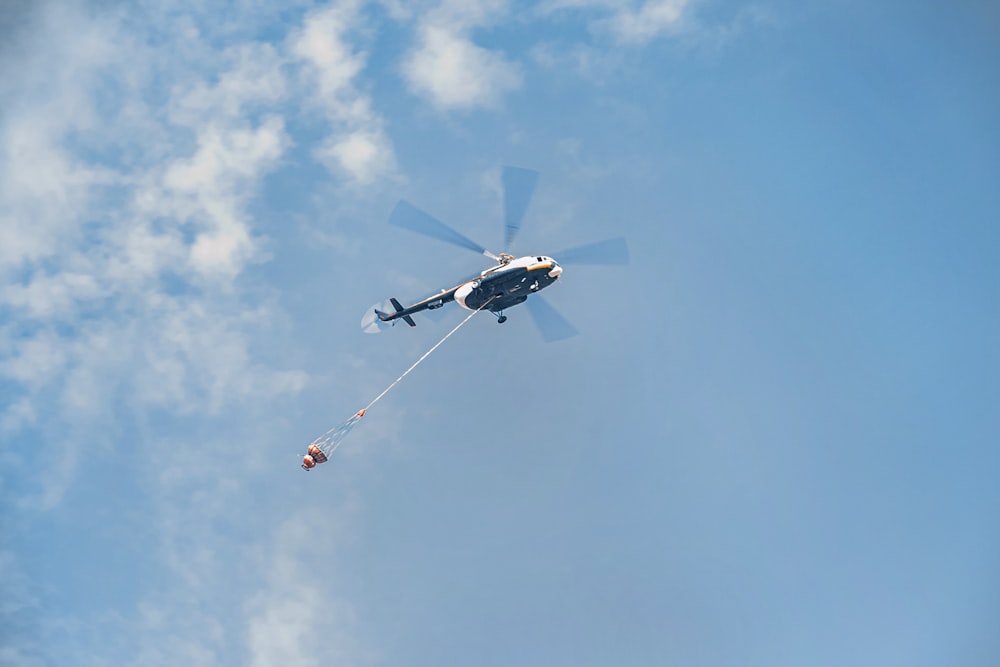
[{"x": 774, "y": 441}]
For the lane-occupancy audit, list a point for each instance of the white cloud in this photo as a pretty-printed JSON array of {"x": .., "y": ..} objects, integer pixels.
[
  {"x": 628, "y": 21},
  {"x": 448, "y": 68},
  {"x": 363, "y": 154},
  {"x": 44, "y": 188},
  {"x": 32, "y": 361},
  {"x": 55, "y": 296},
  {"x": 651, "y": 19},
  {"x": 195, "y": 356},
  {"x": 252, "y": 78},
  {"x": 599, "y": 66},
  {"x": 19, "y": 609},
  {"x": 298, "y": 620},
  {"x": 97, "y": 227},
  {"x": 18, "y": 414},
  {"x": 455, "y": 73},
  {"x": 207, "y": 189},
  {"x": 322, "y": 42},
  {"x": 357, "y": 147},
  {"x": 144, "y": 249},
  {"x": 127, "y": 224}
]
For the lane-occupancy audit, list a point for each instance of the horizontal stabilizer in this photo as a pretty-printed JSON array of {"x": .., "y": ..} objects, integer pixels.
[{"x": 399, "y": 308}]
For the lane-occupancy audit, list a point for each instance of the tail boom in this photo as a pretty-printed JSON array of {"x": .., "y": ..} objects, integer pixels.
[{"x": 401, "y": 313}]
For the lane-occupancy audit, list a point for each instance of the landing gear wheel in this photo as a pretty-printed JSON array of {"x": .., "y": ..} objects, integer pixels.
[{"x": 501, "y": 319}]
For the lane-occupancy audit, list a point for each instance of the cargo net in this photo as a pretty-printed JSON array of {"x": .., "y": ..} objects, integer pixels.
[
  {"x": 329, "y": 441},
  {"x": 322, "y": 448}
]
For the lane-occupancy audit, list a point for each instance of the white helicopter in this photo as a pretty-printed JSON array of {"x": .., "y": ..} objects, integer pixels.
[{"x": 513, "y": 279}]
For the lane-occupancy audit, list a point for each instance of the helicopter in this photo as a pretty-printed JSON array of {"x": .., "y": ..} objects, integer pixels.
[{"x": 514, "y": 280}]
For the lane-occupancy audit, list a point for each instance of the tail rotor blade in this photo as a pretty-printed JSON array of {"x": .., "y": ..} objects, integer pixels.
[
  {"x": 518, "y": 187},
  {"x": 370, "y": 323},
  {"x": 410, "y": 217},
  {"x": 550, "y": 323},
  {"x": 610, "y": 252}
]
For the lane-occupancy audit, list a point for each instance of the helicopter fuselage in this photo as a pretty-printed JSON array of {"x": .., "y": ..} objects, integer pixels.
[
  {"x": 495, "y": 289},
  {"x": 501, "y": 287}
]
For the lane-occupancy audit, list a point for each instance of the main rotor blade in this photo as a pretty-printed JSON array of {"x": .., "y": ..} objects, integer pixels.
[
  {"x": 518, "y": 186},
  {"x": 550, "y": 323},
  {"x": 410, "y": 217},
  {"x": 611, "y": 252}
]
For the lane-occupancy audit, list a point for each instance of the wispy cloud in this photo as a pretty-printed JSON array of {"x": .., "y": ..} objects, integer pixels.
[
  {"x": 449, "y": 69},
  {"x": 628, "y": 21},
  {"x": 19, "y": 611},
  {"x": 205, "y": 191},
  {"x": 646, "y": 21},
  {"x": 357, "y": 146},
  {"x": 127, "y": 225},
  {"x": 299, "y": 603}
]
